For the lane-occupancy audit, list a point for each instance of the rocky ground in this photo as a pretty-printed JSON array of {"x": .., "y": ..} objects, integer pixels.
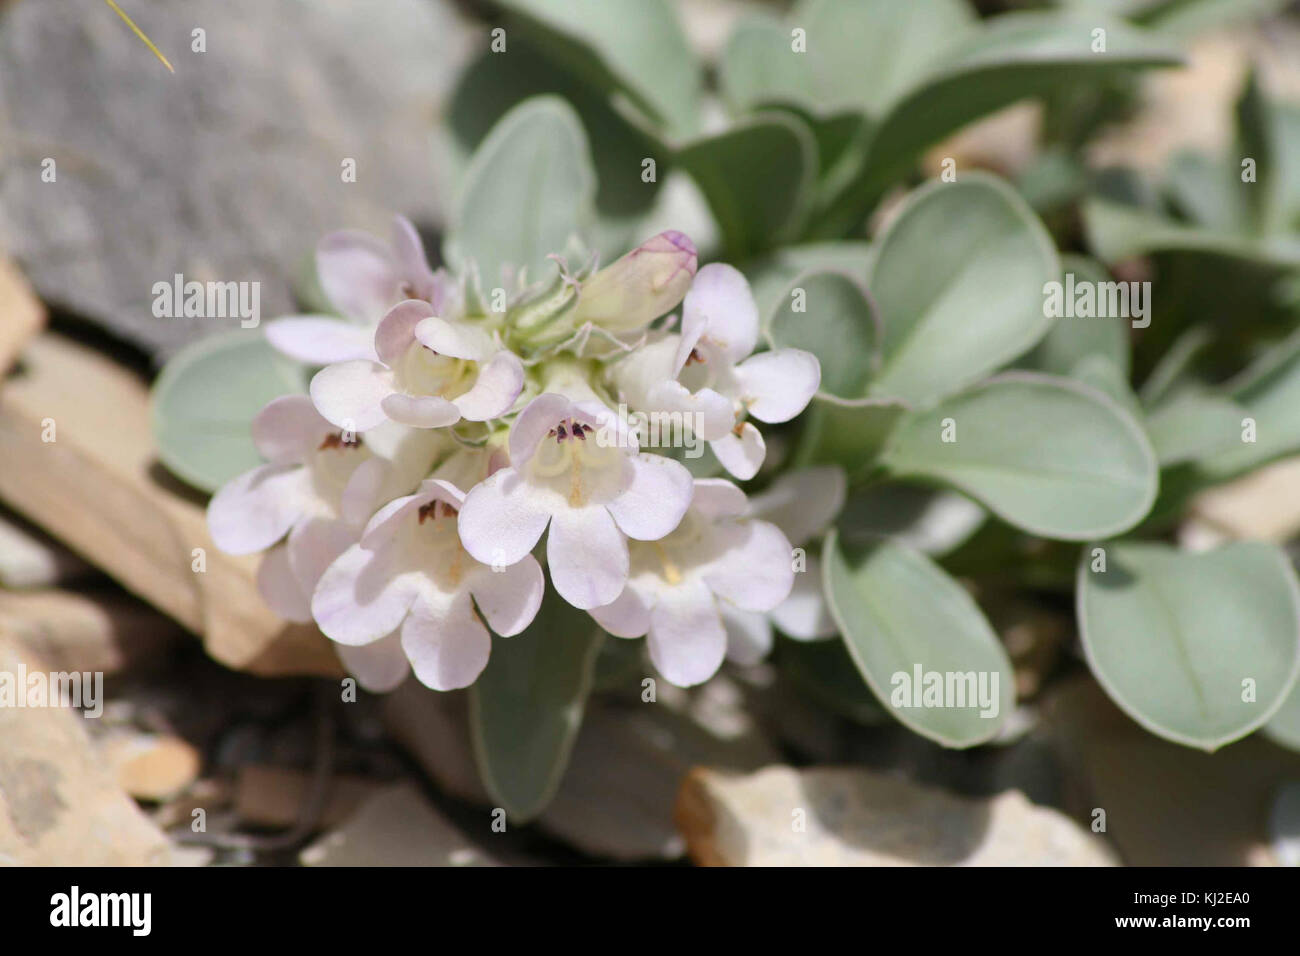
[{"x": 193, "y": 764}]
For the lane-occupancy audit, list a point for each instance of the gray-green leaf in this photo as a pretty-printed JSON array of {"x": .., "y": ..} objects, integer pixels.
[
  {"x": 633, "y": 46},
  {"x": 958, "y": 279},
  {"x": 898, "y": 612},
  {"x": 204, "y": 400},
  {"x": 1200, "y": 649},
  {"x": 526, "y": 707},
  {"x": 757, "y": 177},
  {"x": 1051, "y": 456},
  {"x": 830, "y": 315},
  {"x": 529, "y": 190}
]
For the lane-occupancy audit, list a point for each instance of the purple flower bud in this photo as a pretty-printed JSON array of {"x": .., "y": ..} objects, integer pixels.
[{"x": 641, "y": 286}]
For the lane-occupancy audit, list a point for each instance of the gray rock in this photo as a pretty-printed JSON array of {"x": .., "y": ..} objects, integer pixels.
[{"x": 227, "y": 170}]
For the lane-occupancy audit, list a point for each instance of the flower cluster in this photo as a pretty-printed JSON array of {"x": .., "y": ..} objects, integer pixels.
[{"x": 403, "y": 502}]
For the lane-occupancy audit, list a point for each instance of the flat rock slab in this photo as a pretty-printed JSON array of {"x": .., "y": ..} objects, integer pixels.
[
  {"x": 230, "y": 169},
  {"x": 94, "y": 483},
  {"x": 59, "y": 802},
  {"x": 852, "y": 817},
  {"x": 396, "y": 827}
]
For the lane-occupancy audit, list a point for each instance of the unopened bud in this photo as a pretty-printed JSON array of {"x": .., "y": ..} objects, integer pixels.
[{"x": 638, "y": 288}]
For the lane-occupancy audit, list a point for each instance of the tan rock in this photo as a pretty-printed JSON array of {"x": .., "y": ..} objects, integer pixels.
[
  {"x": 831, "y": 816},
  {"x": 142, "y": 531},
  {"x": 395, "y": 827},
  {"x": 1263, "y": 505},
  {"x": 59, "y": 804},
  {"x": 151, "y": 766}
]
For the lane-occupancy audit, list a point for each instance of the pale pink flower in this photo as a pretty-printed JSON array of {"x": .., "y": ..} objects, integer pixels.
[
  {"x": 574, "y": 466},
  {"x": 708, "y": 372},
  {"x": 431, "y": 372},
  {"x": 409, "y": 586},
  {"x": 310, "y": 501},
  {"x": 802, "y": 504},
  {"x": 363, "y": 279},
  {"x": 704, "y": 586}
]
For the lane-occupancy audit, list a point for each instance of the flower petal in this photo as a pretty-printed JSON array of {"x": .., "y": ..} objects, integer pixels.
[
  {"x": 500, "y": 521},
  {"x": 289, "y": 429},
  {"x": 378, "y": 667},
  {"x": 320, "y": 340},
  {"x": 362, "y": 495},
  {"x": 446, "y": 643},
  {"x": 350, "y": 394},
  {"x": 419, "y": 411},
  {"x": 357, "y": 274},
  {"x": 396, "y": 332},
  {"x": 720, "y": 302},
  {"x": 628, "y": 615},
  {"x": 777, "y": 386},
  {"x": 749, "y": 635},
  {"x": 412, "y": 263},
  {"x": 802, "y": 503},
  {"x": 538, "y": 417},
  {"x": 655, "y": 501},
  {"x": 687, "y": 641},
  {"x": 315, "y": 544},
  {"x": 509, "y": 598},
  {"x": 756, "y": 570},
  {"x": 804, "y": 615},
  {"x": 718, "y": 498},
  {"x": 385, "y": 523},
  {"x": 587, "y": 555},
  {"x": 254, "y": 511},
  {"x": 363, "y": 595},
  {"x": 742, "y": 454},
  {"x": 498, "y": 384},
  {"x": 280, "y": 587},
  {"x": 462, "y": 340},
  {"x": 706, "y": 413}
]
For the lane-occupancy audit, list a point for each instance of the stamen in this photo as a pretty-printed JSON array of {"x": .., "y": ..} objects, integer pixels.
[
  {"x": 694, "y": 357},
  {"x": 339, "y": 440},
  {"x": 436, "y": 509}
]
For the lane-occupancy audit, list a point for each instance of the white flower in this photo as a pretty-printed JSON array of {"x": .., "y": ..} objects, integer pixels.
[
  {"x": 572, "y": 465},
  {"x": 363, "y": 278},
  {"x": 703, "y": 586},
  {"x": 316, "y": 492},
  {"x": 431, "y": 372},
  {"x": 707, "y": 371},
  {"x": 408, "y": 587},
  {"x": 802, "y": 504}
]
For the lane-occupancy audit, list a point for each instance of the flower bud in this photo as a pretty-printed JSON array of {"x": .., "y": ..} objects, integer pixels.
[{"x": 643, "y": 285}]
